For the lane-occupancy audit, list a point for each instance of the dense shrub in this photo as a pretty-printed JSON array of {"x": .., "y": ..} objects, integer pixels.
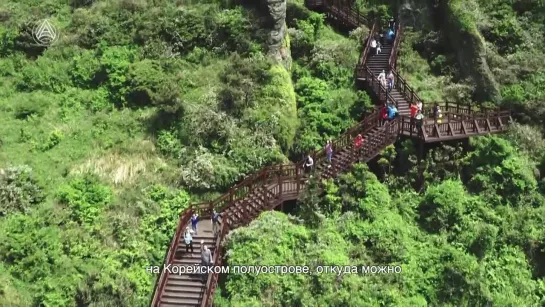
[
  {"x": 19, "y": 191},
  {"x": 85, "y": 197}
]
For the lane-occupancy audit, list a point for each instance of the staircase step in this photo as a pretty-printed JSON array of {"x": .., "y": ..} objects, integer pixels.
[
  {"x": 182, "y": 295},
  {"x": 185, "y": 289},
  {"x": 171, "y": 302}
]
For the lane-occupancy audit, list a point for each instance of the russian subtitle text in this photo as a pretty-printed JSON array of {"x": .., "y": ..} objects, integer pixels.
[{"x": 275, "y": 269}]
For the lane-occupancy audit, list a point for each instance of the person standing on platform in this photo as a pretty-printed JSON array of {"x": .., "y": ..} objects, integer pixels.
[{"x": 419, "y": 121}]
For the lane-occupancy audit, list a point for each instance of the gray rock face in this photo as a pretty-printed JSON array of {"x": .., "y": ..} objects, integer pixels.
[{"x": 277, "y": 36}]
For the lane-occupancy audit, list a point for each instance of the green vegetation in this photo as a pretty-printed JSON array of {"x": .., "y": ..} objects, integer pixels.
[
  {"x": 142, "y": 107},
  {"x": 474, "y": 237}
]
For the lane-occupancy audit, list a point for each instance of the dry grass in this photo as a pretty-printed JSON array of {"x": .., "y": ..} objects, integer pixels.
[{"x": 121, "y": 167}]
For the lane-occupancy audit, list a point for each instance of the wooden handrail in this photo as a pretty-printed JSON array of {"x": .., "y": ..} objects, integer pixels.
[
  {"x": 392, "y": 60},
  {"x": 365, "y": 53},
  {"x": 454, "y": 125},
  {"x": 348, "y": 12},
  {"x": 213, "y": 277},
  {"x": 169, "y": 257},
  {"x": 399, "y": 83}
]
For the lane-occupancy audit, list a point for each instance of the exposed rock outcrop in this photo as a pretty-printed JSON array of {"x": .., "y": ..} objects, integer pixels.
[
  {"x": 464, "y": 37},
  {"x": 278, "y": 37}
]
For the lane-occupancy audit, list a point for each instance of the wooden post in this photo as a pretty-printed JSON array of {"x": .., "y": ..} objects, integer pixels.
[
  {"x": 280, "y": 181},
  {"x": 297, "y": 180}
]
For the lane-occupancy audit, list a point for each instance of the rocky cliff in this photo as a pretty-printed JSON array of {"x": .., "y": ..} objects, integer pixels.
[
  {"x": 278, "y": 37},
  {"x": 464, "y": 37}
]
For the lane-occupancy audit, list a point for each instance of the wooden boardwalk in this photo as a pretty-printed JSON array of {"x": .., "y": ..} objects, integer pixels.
[{"x": 272, "y": 185}]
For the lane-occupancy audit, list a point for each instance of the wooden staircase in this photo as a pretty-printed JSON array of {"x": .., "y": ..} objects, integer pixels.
[
  {"x": 187, "y": 289},
  {"x": 272, "y": 185}
]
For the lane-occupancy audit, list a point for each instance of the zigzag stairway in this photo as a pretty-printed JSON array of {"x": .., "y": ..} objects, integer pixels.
[{"x": 269, "y": 187}]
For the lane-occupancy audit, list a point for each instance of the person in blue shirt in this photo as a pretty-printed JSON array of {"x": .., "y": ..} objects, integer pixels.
[
  {"x": 390, "y": 34},
  {"x": 392, "y": 112},
  {"x": 194, "y": 221}
]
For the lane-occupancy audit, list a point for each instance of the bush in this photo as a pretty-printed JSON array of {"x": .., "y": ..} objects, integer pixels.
[
  {"x": 204, "y": 170},
  {"x": 241, "y": 82},
  {"x": 45, "y": 74},
  {"x": 19, "y": 191},
  {"x": 85, "y": 197},
  {"x": 33, "y": 105},
  {"x": 84, "y": 69},
  {"x": 53, "y": 139},
  {"x": 168, "y": 143},
  {"x": 115, "y": 63},
  {"x": 149, "y": 84}
]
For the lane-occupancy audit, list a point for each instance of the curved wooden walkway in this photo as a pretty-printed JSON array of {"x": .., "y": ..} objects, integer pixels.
[{"x": 272, "y": 185}]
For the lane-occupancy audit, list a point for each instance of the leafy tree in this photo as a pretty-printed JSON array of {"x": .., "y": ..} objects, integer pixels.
[{"x": 19, "y": 191}]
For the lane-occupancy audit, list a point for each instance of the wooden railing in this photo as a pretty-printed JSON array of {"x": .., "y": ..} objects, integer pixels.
[
  {"x": 213, "y": 277},
  {"x": 365, "y": 53},
  {"x": 399, "y": 83},
  {"x": 466, "y": 127},
  {"x": 457, "y": 125},
  {"x": 345, "y": 10},
  {"x": 392, "y": 60},
  {"x": 169, "y": 258}
]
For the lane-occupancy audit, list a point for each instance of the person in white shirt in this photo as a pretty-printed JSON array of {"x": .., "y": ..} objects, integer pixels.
[
  {"x": 373, "y": 46},
  {"x": 382, "y": 78},
  {"x": 378, "y": 48},
  {"x": 390, "y": 80},
  {"x": 308, "y": 164},
  {"x": 419, "y": 106}
]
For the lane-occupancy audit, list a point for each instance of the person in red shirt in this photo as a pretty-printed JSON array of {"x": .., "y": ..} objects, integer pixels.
[
  {"x": 384, "y": 114},
  {"x": 358, "y": 141},
  {"x": 414, "y": 109}
]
